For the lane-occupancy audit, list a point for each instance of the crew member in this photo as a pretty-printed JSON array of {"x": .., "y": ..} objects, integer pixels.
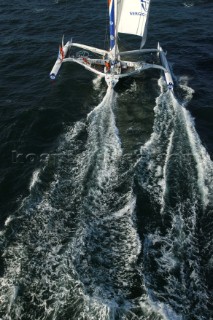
[
  {"x": 107, "y": 65},
  {"x": 85, "y": 60}
]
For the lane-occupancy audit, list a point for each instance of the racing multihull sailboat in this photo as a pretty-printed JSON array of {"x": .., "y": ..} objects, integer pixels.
[{"x": 128, "y": 17}]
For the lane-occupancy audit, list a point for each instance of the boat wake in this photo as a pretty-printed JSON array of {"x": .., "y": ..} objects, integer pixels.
[
  {"x": 175, "y": 178},
  {"x": 71, "y": 250},
  {"x": 83, "y": 245}
]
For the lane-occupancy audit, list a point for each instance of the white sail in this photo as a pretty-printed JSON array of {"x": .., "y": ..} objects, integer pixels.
[{"x": 132, "y": 16}]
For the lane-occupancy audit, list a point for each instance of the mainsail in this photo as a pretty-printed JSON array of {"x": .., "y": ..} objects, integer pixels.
[{"x": 132, "y": 17}]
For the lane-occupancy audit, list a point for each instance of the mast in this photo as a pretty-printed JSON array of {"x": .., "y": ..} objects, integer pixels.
[{"x": 112, "y": 28}]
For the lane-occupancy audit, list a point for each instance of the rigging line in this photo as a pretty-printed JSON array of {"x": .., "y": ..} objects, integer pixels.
[
  {"x": 106, "y": 39},
  {"x": 65, "y": 14}
]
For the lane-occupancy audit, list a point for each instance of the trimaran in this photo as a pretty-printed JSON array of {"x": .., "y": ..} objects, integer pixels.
[{"x": 128, "y": 17}]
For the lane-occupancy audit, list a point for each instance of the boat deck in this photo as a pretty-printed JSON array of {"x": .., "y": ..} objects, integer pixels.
[{"x": 121, "y": 70}]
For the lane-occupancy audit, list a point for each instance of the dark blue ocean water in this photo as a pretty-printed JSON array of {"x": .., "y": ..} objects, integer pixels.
[{"x": 106, "y": 197}]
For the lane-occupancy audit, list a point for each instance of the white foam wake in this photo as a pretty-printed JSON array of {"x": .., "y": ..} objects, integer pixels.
[
  {"x": 177, "y": 172},
  {"x": 72, "y": 249}
]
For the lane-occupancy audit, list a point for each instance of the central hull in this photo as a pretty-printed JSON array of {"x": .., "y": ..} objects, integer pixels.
[{"x": 111, "y": 80}]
